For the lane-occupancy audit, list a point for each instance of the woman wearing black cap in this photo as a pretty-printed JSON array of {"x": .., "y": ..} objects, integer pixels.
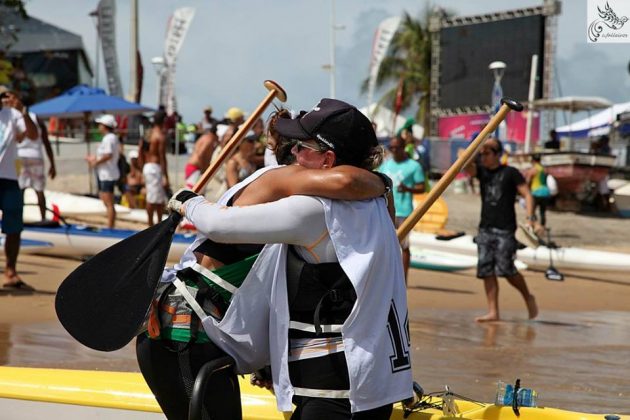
[
  {"x": 171, "y": 355},
  {"x": 337, "y": 310}
]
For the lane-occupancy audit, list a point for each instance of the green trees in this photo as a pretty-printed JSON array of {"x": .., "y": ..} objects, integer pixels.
[
  {"x": 407, "y": 68},
  {"x": 8, "y": 33}
]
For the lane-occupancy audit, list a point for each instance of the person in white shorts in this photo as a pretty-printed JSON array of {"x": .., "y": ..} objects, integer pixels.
[{"x": 32, "y": 168}]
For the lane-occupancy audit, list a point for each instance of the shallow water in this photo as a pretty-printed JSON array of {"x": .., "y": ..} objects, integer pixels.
[{"x": 576, "y": 361}]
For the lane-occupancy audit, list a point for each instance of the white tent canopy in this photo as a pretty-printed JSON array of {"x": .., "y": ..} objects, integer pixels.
[
  {"x": 596, "y": 124},
  {"x": 384, "y": 119},
  {"x": 573, "y": 103}
]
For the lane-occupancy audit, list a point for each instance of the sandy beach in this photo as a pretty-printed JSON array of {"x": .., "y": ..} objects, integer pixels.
[{"x": 575, "y": 354}]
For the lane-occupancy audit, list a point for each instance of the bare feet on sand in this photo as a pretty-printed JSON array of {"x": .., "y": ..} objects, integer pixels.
[
  {"x": 532, "y": 307},
  {"x": 490, "y": 317}
]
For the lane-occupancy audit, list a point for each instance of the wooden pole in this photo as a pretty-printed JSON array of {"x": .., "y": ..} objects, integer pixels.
[
  {"x": 460, "y": 163},
  {"x": 275, "y": 90}
]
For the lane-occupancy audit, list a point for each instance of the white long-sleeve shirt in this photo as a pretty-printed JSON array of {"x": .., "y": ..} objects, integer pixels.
[{"x": 361, "y": 237}]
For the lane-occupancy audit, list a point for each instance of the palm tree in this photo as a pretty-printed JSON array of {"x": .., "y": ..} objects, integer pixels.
[{"x": 407, "y": 67}]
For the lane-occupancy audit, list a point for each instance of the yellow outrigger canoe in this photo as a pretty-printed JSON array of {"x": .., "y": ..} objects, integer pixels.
[{"x": 32, "y": 393}]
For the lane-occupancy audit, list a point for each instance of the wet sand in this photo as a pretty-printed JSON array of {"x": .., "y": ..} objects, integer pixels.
[{"x": 575, "y": 354}]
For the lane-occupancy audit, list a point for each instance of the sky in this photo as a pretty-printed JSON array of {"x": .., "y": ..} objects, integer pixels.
[{"x": 233, "y": 46}]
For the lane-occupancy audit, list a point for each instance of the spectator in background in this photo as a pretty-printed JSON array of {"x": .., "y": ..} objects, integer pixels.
[
  {"x": 207, "y": 121},
  {"x": 200, "y": 157},
  {"x": 258, "y": 134},
  {"x": 536, "y": 178},
  {"x": 135, "y": 181},
  {"x": 243, "y": 163},
  {"x": 152, "y": 158},
  {"x": 32, "y": 169},
  {"x": 554, "y": 142},
  {"x": 408, "y": 179},
  {"x": 14, "y": 123},
  {"x": 106, "y": 164},
  {"x": 601, "y": 146},
  {"x": 496, "y": 243},
  {"x": 234, "y": 117}
]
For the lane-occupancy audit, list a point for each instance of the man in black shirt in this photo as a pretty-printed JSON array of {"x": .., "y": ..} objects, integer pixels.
[{"x": 496, "y": 243}]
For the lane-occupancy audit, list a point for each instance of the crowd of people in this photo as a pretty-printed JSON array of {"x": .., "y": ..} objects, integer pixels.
[{"x": 316, "y": 178}]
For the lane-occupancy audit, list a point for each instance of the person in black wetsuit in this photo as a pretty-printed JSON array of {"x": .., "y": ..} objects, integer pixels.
[{"x": 175, "y": 347}]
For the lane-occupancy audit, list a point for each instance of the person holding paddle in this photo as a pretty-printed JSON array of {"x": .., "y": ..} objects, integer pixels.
[
  {"x": 328, "y": 297},
  {"x": 178, "y": 344}
]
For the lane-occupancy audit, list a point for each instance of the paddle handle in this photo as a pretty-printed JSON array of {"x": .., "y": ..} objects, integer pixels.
[
  {"x": 275, "y": 90},
  {"x": 507, "y": 105}
]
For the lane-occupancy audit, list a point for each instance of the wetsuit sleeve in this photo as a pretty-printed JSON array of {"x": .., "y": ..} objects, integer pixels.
[{"x": 295, "y": 220}]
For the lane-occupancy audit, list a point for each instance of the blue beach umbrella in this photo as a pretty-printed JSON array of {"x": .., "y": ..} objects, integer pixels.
[{"x": 82, "y": 99}]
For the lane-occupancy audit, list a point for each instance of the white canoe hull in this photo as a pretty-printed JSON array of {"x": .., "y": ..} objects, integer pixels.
[
  {"x": 429, "y": 259},
  {"x": 28, "y": 246},
  {"x": 569, "y": 257},
  {"x": 68, "y": 205},
  {"x": 73, "y": 244}
]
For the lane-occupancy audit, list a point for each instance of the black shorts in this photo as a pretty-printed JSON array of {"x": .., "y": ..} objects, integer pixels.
[
  {"x": 106, "y": 186},
  {"x": 496, "y": 253}
]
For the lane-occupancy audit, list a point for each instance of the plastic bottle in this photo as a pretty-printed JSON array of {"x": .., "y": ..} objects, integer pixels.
[
  {"x": 527, "y": 397},
  {"x": 500, "y": 397}
]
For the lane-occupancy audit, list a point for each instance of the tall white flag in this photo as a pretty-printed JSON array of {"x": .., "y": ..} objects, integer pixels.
[
  {"x": 382, "y": 38},
  {"x": 107, "y": 32},
  {"x": 176, "y": 32}
]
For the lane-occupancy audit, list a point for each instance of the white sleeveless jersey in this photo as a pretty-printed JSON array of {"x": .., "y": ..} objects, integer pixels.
[
  {"x": 376, "y": 333},
  {"x": 254, "y": 330}
]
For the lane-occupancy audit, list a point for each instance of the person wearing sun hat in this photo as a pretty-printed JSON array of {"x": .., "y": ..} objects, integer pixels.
[{"x": 105, "y": 162}]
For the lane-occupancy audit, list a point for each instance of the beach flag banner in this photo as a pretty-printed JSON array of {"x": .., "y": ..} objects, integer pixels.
[
  {"x": 382, "y": 38},
  {"x": 178, "y": 26},
  {"x": 106, "y": 13}
]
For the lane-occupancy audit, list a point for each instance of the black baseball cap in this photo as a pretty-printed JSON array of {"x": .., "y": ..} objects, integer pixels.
[{"x": 338, "y": 125}]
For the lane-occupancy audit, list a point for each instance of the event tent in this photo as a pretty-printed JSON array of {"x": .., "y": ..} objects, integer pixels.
[
  {"x": 82, "y": 99},
  {"x": 595, "y": 125}
]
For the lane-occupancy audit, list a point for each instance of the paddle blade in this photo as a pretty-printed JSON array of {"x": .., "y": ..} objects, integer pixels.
[{"x": 103, "y": 303}]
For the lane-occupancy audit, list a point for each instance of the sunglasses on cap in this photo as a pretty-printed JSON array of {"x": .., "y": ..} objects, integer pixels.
[{"x": 301, "y": 145}]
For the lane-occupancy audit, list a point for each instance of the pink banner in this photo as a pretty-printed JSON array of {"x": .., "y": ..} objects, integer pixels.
[{"x": 467, "y": 126}]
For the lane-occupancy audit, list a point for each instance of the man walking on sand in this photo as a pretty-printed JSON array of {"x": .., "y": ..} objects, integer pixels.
[
  {"x": 152, "y": 158},
  {"x": 496, "y": 243}
]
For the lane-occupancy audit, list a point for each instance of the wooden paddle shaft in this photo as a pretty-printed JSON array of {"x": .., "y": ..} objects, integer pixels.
[
  {"x": 275, "y": 91},
  {"x": 460, "y": 163}
]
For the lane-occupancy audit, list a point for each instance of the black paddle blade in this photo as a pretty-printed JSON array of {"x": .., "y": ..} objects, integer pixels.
[{"x": 103, "y": 303}]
